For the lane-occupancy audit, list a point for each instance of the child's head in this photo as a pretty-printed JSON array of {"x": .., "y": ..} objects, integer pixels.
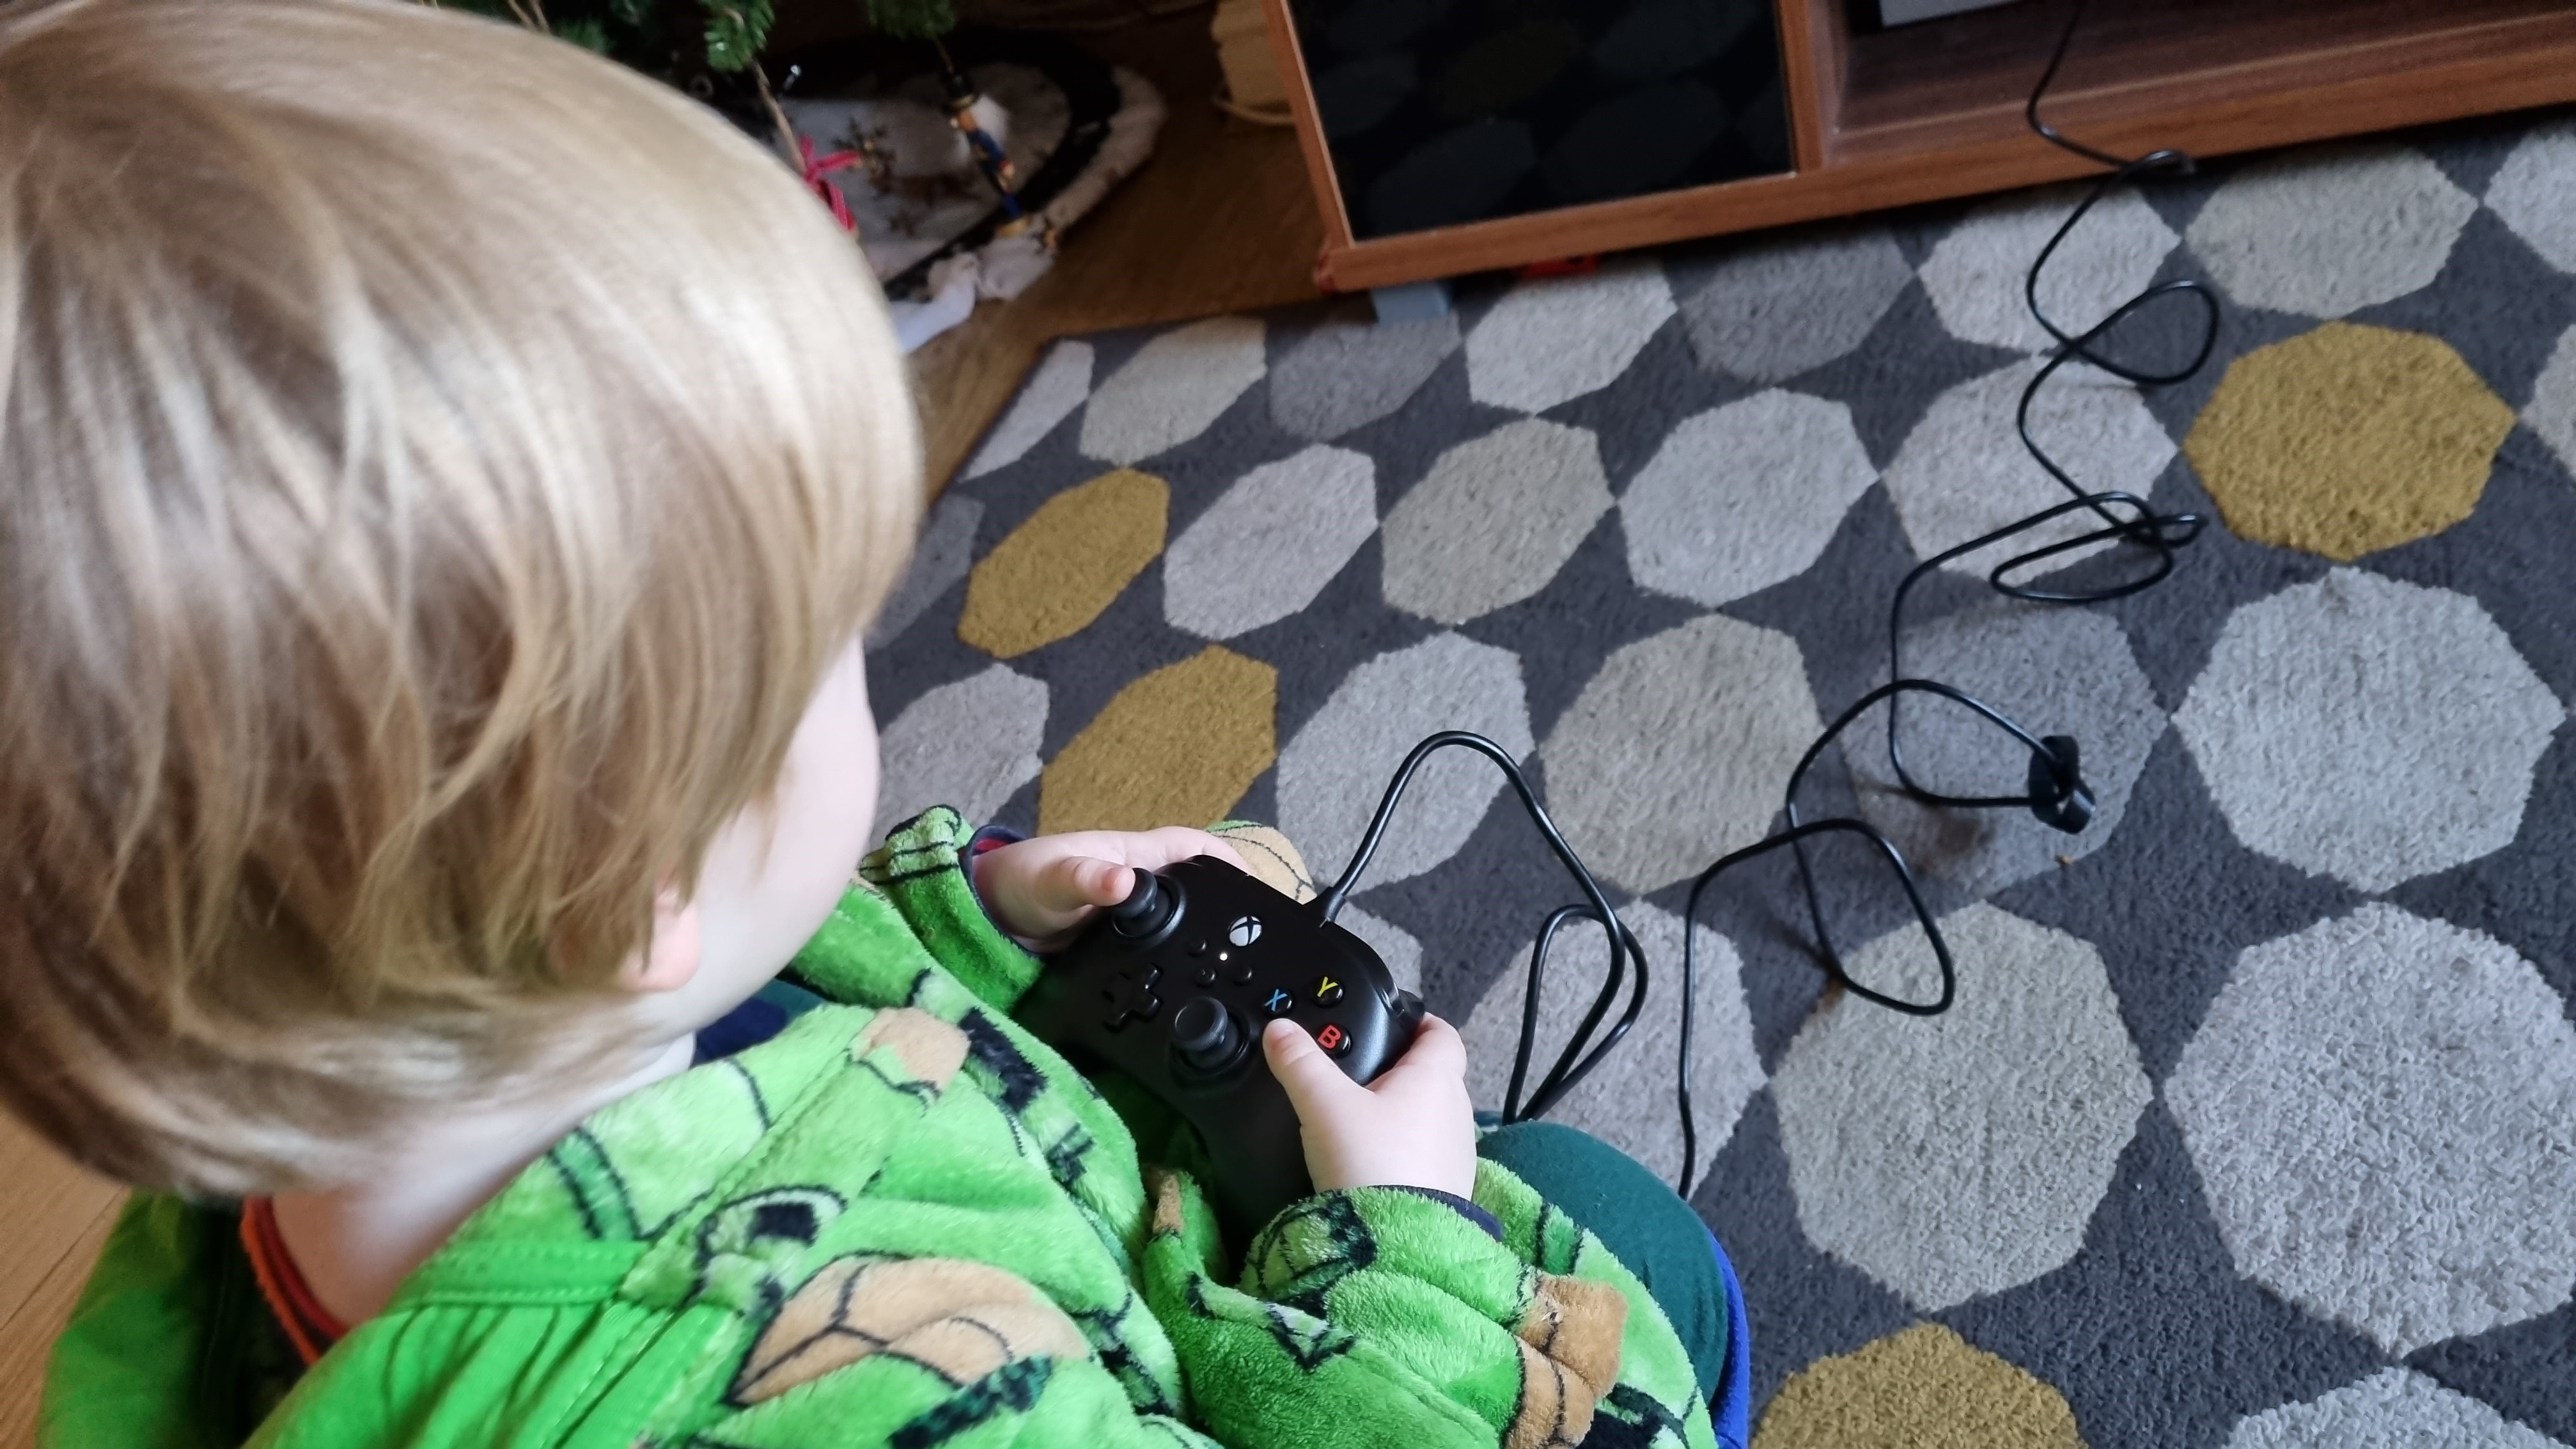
[{"x": 437, "y": 471}]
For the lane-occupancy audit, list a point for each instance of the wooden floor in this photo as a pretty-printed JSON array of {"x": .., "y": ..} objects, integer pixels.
[
  {"x": 1219, "y": 221},
  {"x": 57, "y": 1216}
]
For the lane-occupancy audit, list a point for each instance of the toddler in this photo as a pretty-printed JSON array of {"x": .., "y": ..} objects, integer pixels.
[{"x": 443, "y": 479}]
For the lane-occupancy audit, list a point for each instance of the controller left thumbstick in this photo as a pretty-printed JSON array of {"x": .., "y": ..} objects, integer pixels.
[{"x": 1148, "y": 909}]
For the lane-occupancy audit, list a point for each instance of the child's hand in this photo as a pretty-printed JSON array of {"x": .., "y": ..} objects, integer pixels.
[
  {"x": 1042, "y": 890},
  {"x": 1412, "y": 1127}
]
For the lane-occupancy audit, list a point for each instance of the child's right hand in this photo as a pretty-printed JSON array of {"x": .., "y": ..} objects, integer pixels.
[{"x": 1412, "y": 1127}]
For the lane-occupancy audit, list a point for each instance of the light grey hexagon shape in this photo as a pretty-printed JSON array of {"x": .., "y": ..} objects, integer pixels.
[
  {"x": 2367, "y": 729},
  {"x": 2382, "y": 1109},
  {"x": 969, "y": 744},
  {"x": 2552, "y": 413},
  {"x": 1958, "y": 1155},
  {"x": 1553, "y": 339},
  {"x": 1743, "y": 496},
  {"x": 1172, "y": 389},
  {"x": 1963, "y": 473},
  {"x": 1348, "y": 374},
  {"x": 1976, "y": 275},
  {"x": 2534, "y": 192},
  {"x": 1628, "y": 1100},
  {"x": 1332, "y": 772},
  {"x": 2329, "y": 231},
  {"x": 1049, "y": 397},
  {"x": 1266, "y": 548},
  {"x": 939, "y": 560},
  {"x": 1494, "y": 520},
  {"x": 1677, "y": 750},
  {"x": 2394, "y": 1408},
  {"x": 1779, "y": 307},
  {"x": 2057, "y": 672},
  {"x": 1393, "y": 944}
]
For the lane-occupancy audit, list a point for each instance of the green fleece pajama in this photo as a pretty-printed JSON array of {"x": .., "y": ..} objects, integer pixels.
[{"x": 902, "y": 1221}]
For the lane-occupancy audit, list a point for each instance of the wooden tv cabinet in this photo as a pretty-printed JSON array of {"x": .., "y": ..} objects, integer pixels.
[{"x": 1934, "y": 110}]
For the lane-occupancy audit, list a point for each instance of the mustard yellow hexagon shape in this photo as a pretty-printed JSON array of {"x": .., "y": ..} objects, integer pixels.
[
  {"x": 1057, "y": 571},
  {"x": 2347, "y": 440},
  {"x": 1924, "y": 1387},
  {"x": 1178, "y": 746}
]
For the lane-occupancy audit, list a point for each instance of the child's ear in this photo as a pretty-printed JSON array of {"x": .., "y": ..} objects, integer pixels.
[{"x": 668, "y": 960}]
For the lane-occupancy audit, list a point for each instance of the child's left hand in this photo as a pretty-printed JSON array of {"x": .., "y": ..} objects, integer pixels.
[{"x": 1042, "y": 890}]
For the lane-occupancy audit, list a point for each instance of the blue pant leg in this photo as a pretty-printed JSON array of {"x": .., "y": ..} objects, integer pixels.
[
  {"x": 1730, "y": 1407},
  {"x": 1651, "y": 1230}
]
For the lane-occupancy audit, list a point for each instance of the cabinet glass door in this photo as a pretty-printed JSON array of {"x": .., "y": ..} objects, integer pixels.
[{"x": 1445, "y": 111}]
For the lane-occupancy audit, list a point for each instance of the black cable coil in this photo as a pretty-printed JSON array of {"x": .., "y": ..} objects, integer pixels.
[{"x": 2126, "y": 521}]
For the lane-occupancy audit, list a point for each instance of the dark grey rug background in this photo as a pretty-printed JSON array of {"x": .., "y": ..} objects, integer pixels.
[{"x": 2154, "y": 1332}]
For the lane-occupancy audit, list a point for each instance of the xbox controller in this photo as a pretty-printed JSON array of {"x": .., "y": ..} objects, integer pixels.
[{"x": 1174, "y": 985}]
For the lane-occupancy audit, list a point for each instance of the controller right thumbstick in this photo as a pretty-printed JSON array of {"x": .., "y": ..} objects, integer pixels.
[{"x": 1205, "y": 1036}]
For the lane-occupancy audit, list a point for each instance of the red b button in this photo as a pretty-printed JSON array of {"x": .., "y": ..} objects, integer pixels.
[{"x": 1333, "y": 1039}]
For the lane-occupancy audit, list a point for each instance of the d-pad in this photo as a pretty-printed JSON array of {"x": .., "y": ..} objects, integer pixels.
[{"x": 1128, "y": 995}]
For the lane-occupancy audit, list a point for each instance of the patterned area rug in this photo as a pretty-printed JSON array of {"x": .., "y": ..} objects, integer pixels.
[{"x": 2255, "y": 1122}]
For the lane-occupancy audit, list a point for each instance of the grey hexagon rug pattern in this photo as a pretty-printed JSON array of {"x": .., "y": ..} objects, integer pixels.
[{"x": 2255, "y": 1121}]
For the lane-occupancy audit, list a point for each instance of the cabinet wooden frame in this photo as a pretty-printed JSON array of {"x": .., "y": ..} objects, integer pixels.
[{"x": 1934, "y": 110}]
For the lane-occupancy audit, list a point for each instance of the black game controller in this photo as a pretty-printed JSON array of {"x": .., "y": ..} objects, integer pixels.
[{"x": 1173, "y": 986}]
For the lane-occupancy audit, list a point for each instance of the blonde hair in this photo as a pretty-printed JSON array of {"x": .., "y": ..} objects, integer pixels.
[{"x": 436, "y": 469}]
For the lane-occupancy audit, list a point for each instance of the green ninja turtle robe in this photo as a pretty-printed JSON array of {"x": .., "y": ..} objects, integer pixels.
[{"x": 901, "y": 1221}]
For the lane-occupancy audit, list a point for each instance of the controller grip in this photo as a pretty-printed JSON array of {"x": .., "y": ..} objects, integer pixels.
[
  {"x": 1407, "y": 1018},
  {"x": 1170, "y": 985},
  {"x": 1251, "y": 1180}
]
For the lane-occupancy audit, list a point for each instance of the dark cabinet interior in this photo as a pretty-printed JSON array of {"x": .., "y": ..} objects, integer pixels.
[{"x": 1440, "y": 112}]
